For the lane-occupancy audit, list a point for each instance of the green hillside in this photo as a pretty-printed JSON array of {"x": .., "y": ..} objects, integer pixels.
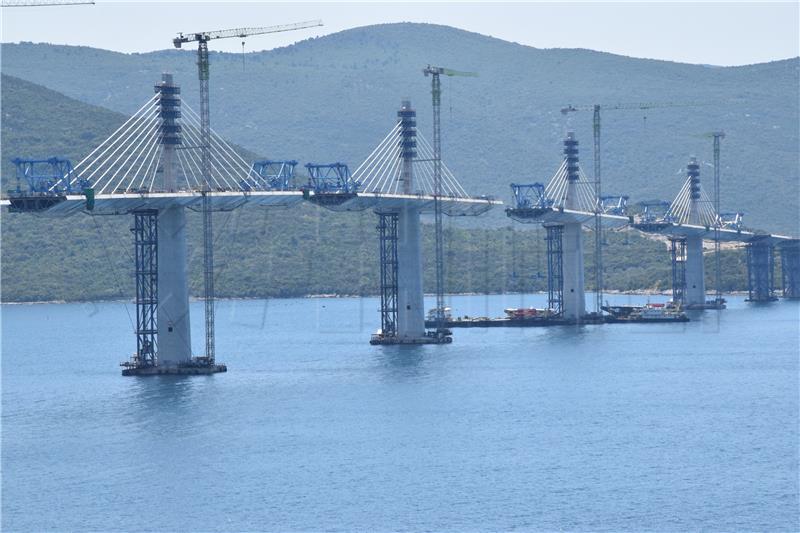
[
  {"x": 334, "y": 97},
  {"x": 259, "y": 252}
]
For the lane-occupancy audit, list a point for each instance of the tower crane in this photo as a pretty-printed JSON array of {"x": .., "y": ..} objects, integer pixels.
[
  {"x": 717, "y": 136},
  {"x": 202, "y": 39},
  {"x": 436, "y": 93},
  {"x": 598, "y": 241}
]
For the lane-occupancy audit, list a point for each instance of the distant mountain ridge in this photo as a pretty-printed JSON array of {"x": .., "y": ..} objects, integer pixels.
[{"x": 334, "y": 97}]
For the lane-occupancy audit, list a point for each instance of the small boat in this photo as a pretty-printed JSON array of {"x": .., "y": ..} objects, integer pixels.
[{"x": 514, "y": 313}]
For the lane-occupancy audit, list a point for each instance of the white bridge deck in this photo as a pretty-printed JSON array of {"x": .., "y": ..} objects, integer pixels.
[
  {"x": 708, "y": 233},
  {"x": 123, "y": 203},
  {"x": 567, "y": 216}
]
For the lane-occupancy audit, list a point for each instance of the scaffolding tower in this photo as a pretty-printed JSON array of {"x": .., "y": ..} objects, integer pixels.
[
  {"x": 677, "y": 250},
  {"x": 145, "y": 236},
  {"x": 760, "y": 271},
  {"x": 555, "y": 270},
  {"x": 790, "y": 270},
  {"x": 387, "y": 234}
]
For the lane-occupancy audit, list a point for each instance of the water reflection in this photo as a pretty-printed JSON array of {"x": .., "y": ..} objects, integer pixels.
[
  {"x": 402, "y": 362},
  {"x": 156, "y": 402}
]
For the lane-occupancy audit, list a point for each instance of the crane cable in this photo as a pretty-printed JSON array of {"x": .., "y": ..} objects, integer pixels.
[{"x": 114, "y": 273}]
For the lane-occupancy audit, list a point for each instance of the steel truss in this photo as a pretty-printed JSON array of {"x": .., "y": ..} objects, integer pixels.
[
  {"x": 790, "y": 270},
  {"x": 555, "y": 270},
  {"x": 677, "y": 251},
  {"x": 145, "y": 238},
  {"x": 387, "y": 233},
  {"x": 760, "y": 272}
]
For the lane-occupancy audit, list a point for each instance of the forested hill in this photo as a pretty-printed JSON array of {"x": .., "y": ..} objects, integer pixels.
[
  {"x": 259, "y": 252},
  {"x": 333, "y": 98}
]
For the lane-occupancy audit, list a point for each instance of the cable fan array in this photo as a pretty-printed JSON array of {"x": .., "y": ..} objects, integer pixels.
[
  {"x": 381, "y": 172},
  {"x": 558, "y": 189},
  {"x": 131, "y": 159},
  {"x": 684, "y": 210}
]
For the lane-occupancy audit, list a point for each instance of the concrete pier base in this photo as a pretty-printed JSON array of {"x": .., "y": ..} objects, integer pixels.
[
  {"x": 695, "y": 290},
  {"x": 410, "y": 301},
  {"x": 174, "y": 333},
  {"x": 179, "y": 370},
  {"x": 572, "y": 267}
]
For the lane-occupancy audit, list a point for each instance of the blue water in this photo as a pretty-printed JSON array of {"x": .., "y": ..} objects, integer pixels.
[{"x": 661, "y": 427}]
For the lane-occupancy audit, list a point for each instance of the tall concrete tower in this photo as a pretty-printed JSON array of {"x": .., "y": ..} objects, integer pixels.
[
  {"x": 410, "y": 301},
  {"x": 174, "y": 333},
  {"x": 572, "y": 246},
  {"x": 695, "y": 293}
]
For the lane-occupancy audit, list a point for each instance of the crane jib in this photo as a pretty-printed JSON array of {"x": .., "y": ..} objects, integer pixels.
[{"x": 242, "y": 32}]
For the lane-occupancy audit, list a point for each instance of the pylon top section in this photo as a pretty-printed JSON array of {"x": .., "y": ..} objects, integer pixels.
[{"x": 692, "y": 205}]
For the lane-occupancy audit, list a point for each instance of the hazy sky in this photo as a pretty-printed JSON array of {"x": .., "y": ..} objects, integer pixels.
[{"x": 719, "y": 33}]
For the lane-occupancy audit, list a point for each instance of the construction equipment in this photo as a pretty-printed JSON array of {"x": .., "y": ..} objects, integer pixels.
[
  {"x": 436, "y": 93},
  {"x": 717, "y": 136},
  {"x": 202, "y": 39},
  {"x": 42, "y": 3},
  {"x": 598, "y": 241}
]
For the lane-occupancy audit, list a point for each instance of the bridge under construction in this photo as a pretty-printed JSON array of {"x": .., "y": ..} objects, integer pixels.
[
  {"x": 151, "y": 168},
  {"x": 162, "y": 161},
  {"x": 567, "y": 203}
]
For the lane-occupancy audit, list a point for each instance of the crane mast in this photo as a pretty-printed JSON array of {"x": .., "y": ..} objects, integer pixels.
[
  {"x": 203, "y": 71},
  {"x": 436, "y": 94},
  {"x": 208, "y": 242},
  {"x": 598, "y": 221},
  {"x": 717, "y": 135}
]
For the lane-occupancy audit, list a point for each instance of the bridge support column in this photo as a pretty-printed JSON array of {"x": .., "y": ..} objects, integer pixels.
[
  {"x": 574, "y": 294},
  {"x": 790, "y": 269},
  {"x": 760, "y": 271},
  {"x": 695, "y": 293},
  {"x": 174, "y": 333},
  {"x": 402, "y": 303},
  {"x": 410, "y": 301}
]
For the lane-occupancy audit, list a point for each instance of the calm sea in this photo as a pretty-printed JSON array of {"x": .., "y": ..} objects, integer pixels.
[{"x": 660, "y": 427}]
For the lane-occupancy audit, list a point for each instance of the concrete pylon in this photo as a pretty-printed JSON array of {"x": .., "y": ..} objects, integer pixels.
[
  {"x": 410, "y": 296},
  {"x": 174, "y": 333},
  {"x": 695, "y": 293},
  {"x": 572, "y": 262}
]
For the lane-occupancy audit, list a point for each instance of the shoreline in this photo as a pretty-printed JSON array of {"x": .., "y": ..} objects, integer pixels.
[{"x": 636, "y": 292}]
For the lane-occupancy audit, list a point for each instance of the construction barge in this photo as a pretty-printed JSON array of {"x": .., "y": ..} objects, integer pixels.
[{"x": 531, "y": 317}]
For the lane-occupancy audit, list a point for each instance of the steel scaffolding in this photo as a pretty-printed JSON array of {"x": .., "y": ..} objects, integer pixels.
[
  {"x": 760, "y": 272},
  {"x": 555, "y": 271},
  {"x": 145, "y": 235},
  {"x": 677, "y": 250},
  {"x": 387, "y": 233},
  {"x": 790, "y": 269}
]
